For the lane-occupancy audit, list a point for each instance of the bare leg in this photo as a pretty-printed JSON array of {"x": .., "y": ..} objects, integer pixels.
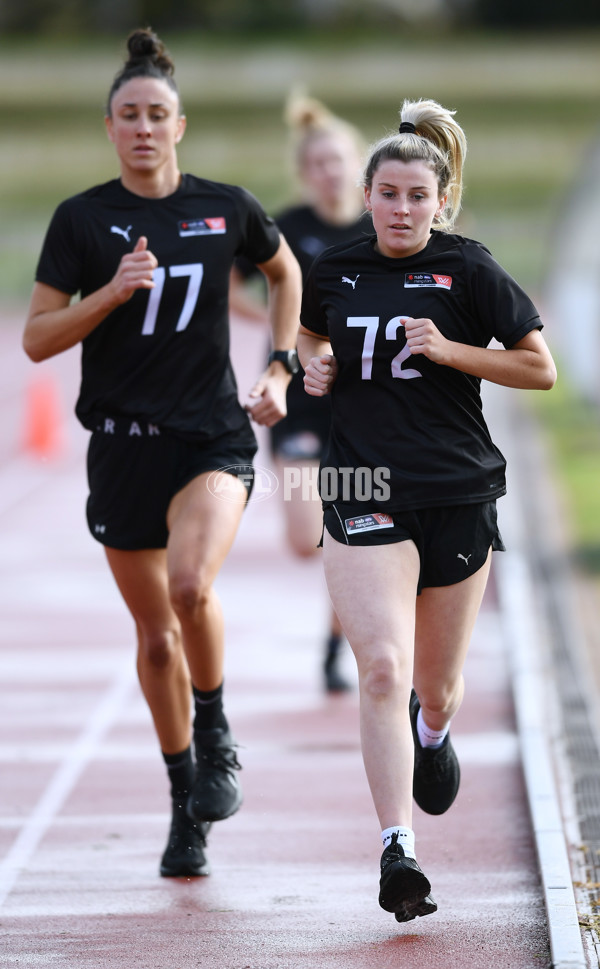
[
  {"x": 373, "y": 590},
  {"x": 162, "y": 669},
  {"x": 444, "y": 626},
  {"x": 202, "y": 528},
  {"x": 304, "y": 524}
]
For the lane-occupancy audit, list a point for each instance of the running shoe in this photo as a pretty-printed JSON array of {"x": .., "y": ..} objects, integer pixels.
[
  {"x": 334, "y": 681},
  {"x": 217, "y": 793},
  {"x": 403, "y": 888},
  {"x": 184, "y": 855},
  {"x": 436, "y": 776}
]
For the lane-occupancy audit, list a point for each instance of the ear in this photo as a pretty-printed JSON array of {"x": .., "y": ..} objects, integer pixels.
[
  {"x": 441, "y": 206},
  {"x": 108, "y": 123},
  {"x": 367, "y": 193},
  {"x": 181, "y": 126}
]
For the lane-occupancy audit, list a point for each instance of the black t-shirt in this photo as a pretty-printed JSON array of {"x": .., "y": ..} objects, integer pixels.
[
  {"x": 163, "y": 355},
  {"x": 308, "y": 236},
  {"x": 419, "y": 420}
]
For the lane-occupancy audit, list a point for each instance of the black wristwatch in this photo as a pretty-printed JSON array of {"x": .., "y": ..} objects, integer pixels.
[{"x": 289, "y": 359}]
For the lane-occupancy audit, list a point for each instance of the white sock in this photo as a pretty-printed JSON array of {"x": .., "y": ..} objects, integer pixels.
[
  {"x": 427, "y": 736},
  {"x": 406, "y": 838}
]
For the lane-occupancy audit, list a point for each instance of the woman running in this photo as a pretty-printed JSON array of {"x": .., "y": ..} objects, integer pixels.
[
  {"x": 396, "y": 328},
  {"x": 327, "y": 155},
  {"x": 170, "y": 455}
]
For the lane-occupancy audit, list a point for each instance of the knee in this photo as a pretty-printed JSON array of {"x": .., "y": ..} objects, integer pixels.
[
  {"x": 439, "y": 699},
  {"x": 303, "y": 546},
  {"x": 381, "y": 677},
  {"x": 159, "y": 649},
  {"x": 189, "y": 593}
]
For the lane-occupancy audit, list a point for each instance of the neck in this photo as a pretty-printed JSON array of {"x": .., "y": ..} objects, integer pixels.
[{"x": 155, "y": 185}]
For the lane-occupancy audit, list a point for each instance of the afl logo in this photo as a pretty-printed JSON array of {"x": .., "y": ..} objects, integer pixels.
[{"x": 261, "y": 482}]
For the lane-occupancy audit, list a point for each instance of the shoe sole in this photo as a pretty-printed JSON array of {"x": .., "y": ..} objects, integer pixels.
[
  {"x": 408, "y": 889},
  {"x": 184, "y": 872},
  {"x": 409, "y": 911}
]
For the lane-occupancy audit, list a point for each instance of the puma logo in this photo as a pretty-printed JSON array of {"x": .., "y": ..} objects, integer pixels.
[
  {"x": 122, "y": 232},
  {"x": 352, "y": 282},
  {"x": 465, "y": 558}
]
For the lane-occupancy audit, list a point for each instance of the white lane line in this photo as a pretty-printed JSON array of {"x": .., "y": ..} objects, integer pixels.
[{"x": 63, "y": 781}]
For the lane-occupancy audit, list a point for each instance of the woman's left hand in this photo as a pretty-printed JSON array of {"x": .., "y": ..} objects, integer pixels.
[
  {"x": 423, "y": 336},
  {"x": 267, "y": 398}
]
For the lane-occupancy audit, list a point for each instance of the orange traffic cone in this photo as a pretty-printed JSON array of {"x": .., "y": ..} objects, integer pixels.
[{"x": 44, "y": 425}]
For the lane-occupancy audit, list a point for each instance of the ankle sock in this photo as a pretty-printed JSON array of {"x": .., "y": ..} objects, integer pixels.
[
  {"x": 180, "y": 768},
  {"x": 406, "y": 838},
  {"x": 209, "y": 709},
  {"x": 427, "y": 736}
]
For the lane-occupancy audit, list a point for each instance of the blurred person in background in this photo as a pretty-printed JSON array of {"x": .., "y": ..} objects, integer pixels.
[
  {"x": 327, "y": 155},
  {"x": 396, "y": 329},
  {"x": 150, "y": 254}
]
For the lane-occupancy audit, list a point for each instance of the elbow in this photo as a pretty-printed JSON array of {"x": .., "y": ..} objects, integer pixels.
[
  {"x": 548, "y": 378},
  {"x": 33, "y": 350}
]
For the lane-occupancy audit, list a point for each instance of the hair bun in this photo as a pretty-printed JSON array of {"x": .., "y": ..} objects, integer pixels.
[{"x": 144, "y": 45}]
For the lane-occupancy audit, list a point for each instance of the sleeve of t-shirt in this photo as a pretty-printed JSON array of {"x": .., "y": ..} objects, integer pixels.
[
  {"x": 504, "y": 309},
  {"x": 260, "y": 235},
  {"x": 61, "y": 259},
  {"x": 312, "y": 316}
]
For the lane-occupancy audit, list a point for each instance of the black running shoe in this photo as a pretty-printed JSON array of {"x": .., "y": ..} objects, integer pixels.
[
  {"x": 184, "y": 855},
  {"x": 436, "y": 776},
  {"x": 216, "y": 793},
  {"x": 334, "y": 681},
  {"x": 403, "y": 888}
]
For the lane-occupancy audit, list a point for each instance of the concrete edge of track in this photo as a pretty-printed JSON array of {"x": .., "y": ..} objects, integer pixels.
[{"x": 532, "y": 692}]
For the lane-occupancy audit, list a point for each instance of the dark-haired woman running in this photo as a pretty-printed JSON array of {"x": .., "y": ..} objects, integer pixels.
[{"x": 170, "y": 455}]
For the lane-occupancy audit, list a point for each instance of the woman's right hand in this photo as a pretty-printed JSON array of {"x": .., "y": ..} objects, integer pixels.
[
  {"x": 134, "y": 272},
  {"x": 320, "y": 375}
]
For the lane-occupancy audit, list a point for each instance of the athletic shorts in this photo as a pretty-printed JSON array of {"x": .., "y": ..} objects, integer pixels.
[
  {"x": 134, "y": 471},
  {"x": 453, "y": 542}
]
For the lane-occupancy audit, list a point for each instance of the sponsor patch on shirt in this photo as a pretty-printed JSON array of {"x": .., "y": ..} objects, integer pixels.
[
  {"x": 368, "y": 523},
  {"x": 214, "y": 226},
  {"x": 427, "y": 281}
]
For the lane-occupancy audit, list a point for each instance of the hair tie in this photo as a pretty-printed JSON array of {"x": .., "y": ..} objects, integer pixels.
[{"x": 407, "y": 127}]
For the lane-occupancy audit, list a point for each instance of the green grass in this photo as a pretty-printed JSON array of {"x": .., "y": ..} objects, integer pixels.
[{"x": 572, "y": 428}]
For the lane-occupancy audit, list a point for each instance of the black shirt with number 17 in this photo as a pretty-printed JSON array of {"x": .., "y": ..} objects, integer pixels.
[
  {"x": 419, "y": 420},
  {"x": 164, "y": 354}
]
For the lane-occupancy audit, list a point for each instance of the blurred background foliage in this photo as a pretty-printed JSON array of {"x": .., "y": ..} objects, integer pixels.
[
  {"x": 523, "y": 76},
  {"x": 78, "y": 16}
]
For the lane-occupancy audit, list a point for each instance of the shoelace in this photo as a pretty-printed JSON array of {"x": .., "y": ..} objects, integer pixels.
[{"x": 221, "y": 758}]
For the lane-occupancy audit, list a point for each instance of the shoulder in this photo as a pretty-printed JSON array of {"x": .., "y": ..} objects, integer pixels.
[
  {"x": 468, "y": 248},
  {"x": 294, "y": 214},
  {"x": 194, "y": 185},
  {"x": 357, "y": 251}
]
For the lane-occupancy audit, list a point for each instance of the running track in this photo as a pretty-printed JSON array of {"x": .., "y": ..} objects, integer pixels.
[{"x": 83, "y": 795}]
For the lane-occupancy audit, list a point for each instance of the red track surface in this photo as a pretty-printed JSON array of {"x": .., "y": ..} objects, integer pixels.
[{"x": 83, "y": 803}]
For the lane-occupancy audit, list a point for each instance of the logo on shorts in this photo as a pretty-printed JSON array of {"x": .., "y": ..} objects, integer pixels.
[
  {"x": 368, "y": 523},
  {"x": 262, "y": 482},
  {"x": 465, "y": 558},
  {"x": 214, "y": 226},
  {"x": 427, "y": 281}
]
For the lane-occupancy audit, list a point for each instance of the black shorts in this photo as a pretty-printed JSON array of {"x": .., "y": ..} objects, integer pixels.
[
  {"x": 453, "y": 542},
  {"x": 134, "y": 471}
]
